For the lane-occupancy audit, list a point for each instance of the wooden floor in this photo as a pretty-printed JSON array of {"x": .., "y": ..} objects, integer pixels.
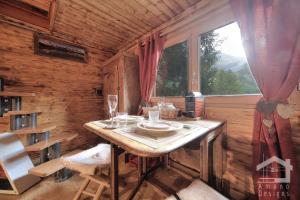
[{"x": 49, "y": 189}]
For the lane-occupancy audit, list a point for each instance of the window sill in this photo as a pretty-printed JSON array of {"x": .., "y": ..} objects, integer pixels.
[{"x": 233, "y": 95}]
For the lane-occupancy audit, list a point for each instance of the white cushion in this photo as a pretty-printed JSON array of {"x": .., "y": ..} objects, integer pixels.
[
  {"x": 87, "y": 161},
  {"x": 198, "y": 190}
]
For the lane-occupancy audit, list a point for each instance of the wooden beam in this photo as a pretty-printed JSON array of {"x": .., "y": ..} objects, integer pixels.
[
  {"x": 18, "y": 12},
  {"x": 52, "y": 14},
  {"x": 41, "y": 4}
]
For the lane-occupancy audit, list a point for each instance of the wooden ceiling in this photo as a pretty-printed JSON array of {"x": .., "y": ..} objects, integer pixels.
[{"x": 109, "y": 24}]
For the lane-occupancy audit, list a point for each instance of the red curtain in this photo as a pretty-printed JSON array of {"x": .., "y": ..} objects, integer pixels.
[
  {"x": 270, "y": 32},
  {"x": 149, "y": 52}
]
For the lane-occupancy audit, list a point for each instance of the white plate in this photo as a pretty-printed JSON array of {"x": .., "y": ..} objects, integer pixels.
[
  {"x": 161, "y": 126},
  {"x": 134, "y": 118},
  {"x": 130, "y": 118},
  {"x": 156, "y": 125}
]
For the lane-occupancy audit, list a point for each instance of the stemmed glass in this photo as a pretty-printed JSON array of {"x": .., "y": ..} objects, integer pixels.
[{"x": 112, "y": 105}]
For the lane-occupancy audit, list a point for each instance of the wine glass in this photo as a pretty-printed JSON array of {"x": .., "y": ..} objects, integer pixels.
[{"x": 112, "y": 105}]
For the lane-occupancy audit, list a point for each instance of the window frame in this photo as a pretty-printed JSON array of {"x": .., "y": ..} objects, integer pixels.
[
  {"x": 176, "y": 39},
  {"x": 190, "y": 31},
  {"x": 199, "y": 63}
]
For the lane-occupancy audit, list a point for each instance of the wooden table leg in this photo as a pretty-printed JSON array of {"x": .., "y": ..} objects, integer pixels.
[
  {"x": 114, "y": 172},
  {"x": 140, "y": 167},
  {"x": 166, "y": 161}
]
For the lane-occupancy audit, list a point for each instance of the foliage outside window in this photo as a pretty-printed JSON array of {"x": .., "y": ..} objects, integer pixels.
[
  {"x": 224, "y": 69},
  {"x": 172, "y": 75}
]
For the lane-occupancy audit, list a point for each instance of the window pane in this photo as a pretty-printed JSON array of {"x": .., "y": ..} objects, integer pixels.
[
  {"x": 224, "y": 68},
  {"x": 173, "y": 71}
]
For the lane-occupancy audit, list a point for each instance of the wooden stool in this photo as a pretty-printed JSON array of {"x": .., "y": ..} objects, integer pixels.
[
  {"x": 102, "y": 182},
  {"x": 89, "y": 163}
]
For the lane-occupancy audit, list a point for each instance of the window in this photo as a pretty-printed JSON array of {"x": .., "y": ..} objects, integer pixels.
[
  {"x": 224, "y": 69},
  {"x": 172, "y": 75}
]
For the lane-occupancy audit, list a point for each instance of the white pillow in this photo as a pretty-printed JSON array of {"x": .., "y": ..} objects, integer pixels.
[
  {"x": 86, "y": 162},
  {"x": 198, "y": 190}
]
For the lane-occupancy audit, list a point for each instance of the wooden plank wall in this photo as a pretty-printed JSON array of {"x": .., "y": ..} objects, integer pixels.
[
  {"x": 64, "y": 88},
  {"x": 238, "y": 111}
]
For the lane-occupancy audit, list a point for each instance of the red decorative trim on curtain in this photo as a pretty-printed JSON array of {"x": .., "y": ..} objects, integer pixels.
[{"x": 270, "y": 32}]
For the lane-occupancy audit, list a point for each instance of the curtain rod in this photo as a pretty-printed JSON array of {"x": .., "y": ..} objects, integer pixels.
[{"x": 143, "y": 42}]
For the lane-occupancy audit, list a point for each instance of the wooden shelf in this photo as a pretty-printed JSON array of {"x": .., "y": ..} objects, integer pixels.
[
  {"x": 51, "y": 141},
  {"x": 20, "y": 112},
  {"x": 16, "y": 94},
  {"x": 40, "y": 129},
  {"x": 50, "y": 167}
]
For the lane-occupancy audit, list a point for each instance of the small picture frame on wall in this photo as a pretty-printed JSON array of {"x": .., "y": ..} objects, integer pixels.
[{"x": 52, "y": 47}]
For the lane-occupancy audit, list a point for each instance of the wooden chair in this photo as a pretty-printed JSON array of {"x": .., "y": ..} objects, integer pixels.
[{"x": 91, "y": 163}]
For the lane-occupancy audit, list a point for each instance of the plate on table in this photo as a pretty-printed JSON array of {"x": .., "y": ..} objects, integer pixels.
[
  {"x": 134, "y": 118},
  {"x": 160, "y": 126},
  {"x": 130, "y": 118}
]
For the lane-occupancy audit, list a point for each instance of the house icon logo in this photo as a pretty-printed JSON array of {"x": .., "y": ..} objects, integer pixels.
[{"x": 267, "y": 168}]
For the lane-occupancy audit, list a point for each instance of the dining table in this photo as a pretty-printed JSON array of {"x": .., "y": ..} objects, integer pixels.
[{"x": 145, "y": 145}]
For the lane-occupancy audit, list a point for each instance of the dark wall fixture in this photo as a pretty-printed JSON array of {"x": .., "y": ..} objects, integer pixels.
[
  {"x": 48, "y": 46},
  {"x": 99, "y": 90}
]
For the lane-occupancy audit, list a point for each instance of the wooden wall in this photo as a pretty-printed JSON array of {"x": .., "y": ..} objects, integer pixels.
[
  {"x": 64, "y": 88},
  {"x": 238, "y": 111}
]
